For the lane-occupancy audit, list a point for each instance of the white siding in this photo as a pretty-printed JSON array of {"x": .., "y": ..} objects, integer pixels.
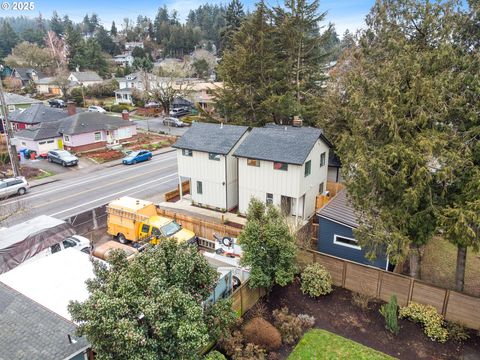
[
  {"x": 210, "y": 172},
  {"x": 258, "y": 181}
]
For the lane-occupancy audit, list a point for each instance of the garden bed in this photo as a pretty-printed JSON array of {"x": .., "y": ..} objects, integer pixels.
[{"x": 338, "y": 314}]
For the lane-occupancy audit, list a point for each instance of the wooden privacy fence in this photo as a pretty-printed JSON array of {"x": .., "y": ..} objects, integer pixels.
[
  {"x": 333, "y": 189},
  {"x": 172, "y": 194},
  {"x": 244, "y": 298},
  {"x": 201, "y": 228},
  {"x": 381, "y": 284}
]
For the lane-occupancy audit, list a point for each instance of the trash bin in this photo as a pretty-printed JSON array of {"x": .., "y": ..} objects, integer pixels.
[{"x": 33, "y": 155}]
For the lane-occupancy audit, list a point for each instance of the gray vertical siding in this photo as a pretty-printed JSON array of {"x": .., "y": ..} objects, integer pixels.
[{"x": 326, "y": 231}]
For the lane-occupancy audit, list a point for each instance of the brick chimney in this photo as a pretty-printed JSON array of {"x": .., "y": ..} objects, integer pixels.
[
  {"x": 297, "y": 121},
  {"x": 125, "y": 115},
  {"x": 71, "y": 108}
]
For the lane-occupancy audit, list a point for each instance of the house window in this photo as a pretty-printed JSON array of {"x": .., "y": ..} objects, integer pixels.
[
  {"x": 67, "y": 138},
  {"x": 321, "y": 188},
  {"x": 213, "y": 156},
  {"x": 42, "y": 142},
  {"x": 50, "y": 141},
  {"x": 280, "y": 166},
  {"x": 253, "y": 162},
  {"x": 322, "y": 159},
  {"x": 11, "y": 108},
  {"x": 24, "y": 143},
  {"x": 269, "y": 199},
  {"x": 308, "y": 168},
  {"x": 187, "y": 152},
  {"x": 199, "y": 187},
  {"x": 346, "y": 241},
  {"x": 98, "y": 136}
]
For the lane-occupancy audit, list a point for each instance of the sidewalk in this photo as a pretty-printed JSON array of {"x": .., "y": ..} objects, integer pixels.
[{"x": 89, "y": 169}]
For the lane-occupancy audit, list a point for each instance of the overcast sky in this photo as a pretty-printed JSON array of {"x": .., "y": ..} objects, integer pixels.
[{"x": 345, "y": 14}]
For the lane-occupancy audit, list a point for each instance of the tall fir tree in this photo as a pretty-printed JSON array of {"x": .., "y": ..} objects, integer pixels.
[
  {"x": 113, "y": 29},
  {"x": 56, "y": 24},
  {"x": 233, "y": 20}
]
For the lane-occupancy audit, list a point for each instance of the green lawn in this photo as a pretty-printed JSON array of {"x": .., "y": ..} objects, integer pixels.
[
  {"x": 320, "y": 344},
  {"x": 439, "y": 263}
]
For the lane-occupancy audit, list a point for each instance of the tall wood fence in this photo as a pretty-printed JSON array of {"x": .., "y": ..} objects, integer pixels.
[
  {"x": 454, "y": 306},
  {"x": 202, "y": 228},
  {"x": 172, "y": 194},
  {"x": 244, "y": 298}
]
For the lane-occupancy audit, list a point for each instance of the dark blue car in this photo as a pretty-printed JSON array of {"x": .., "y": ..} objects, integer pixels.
[{"x": 137, "y": 156}]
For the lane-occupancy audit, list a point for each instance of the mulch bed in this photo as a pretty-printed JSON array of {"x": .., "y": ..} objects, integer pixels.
[
  {"x": 27, "y": 171},
  {"x": 336, "y": 313}
]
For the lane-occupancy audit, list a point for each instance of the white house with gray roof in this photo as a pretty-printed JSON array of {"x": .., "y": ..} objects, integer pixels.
[
  {"x": 286, "y": 166},
  {"x": 205, "y": 157},
  {"x": 85, "y": 78}
]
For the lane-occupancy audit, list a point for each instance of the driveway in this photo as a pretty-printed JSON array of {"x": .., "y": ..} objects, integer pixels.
[
  {"x": 156, "y": 125},
  {"x": 56, "y": 168}
]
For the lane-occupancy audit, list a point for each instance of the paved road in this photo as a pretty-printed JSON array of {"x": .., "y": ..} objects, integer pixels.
[{"x": 84, "y": 190}]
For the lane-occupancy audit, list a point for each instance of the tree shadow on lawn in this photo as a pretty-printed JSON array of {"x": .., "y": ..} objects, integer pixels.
[{"x": 337, "y": 313}]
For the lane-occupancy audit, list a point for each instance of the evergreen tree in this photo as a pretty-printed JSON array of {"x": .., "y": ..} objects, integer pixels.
[
  {"x": 86, "y": 25},
  {"x": 8, "y": 38},
  {"x": 398, "y": 110},
  {"x": 56, "y": 24},
  {"x": 75, "y": 46},
  {"x": 95, "y": 59},
  {"x": 233, "y": 20},
  {"x": 113, "y": 30},
  {"x": 106, "y": 42}
]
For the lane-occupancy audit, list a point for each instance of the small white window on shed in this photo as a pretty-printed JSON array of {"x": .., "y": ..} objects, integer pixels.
[
  {"x": 199, "y": 187},
  {"x": 253, "y": 162},
  {"x": 213, "y": 156},
  {"x": 98, "y": 136},
  {"x": 346, "y": 241},
  {"x": 187, "y": 152},
  {"x": 269, "y": 199}
]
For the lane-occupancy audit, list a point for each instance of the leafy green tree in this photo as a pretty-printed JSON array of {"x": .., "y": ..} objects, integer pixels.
[
  {"x": 151, "y": 306},
  {"x": 201, "y": 68},
  {"x": 233, "y": 20},
  {"x": 76, "y": 47},
  {"x": 397, "y": 109},
  {"x": 33, "y": 36},
  {"x": 106, "y": 42},
  {"x": 269, "y": 247},
  {"x": 138, "y": 52}
]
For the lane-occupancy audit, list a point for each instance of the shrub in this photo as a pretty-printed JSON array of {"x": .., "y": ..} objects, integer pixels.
[
  {"x": 260, "y": 332},
  {"x": 251, "y": 352},
  {"x": 457, "y": 332},
  {"x": 291, "y": 326},
  {"x": 215, "y": 355},
  {"x": 316, "y": 281},
  {"x": 232, "y": 343},
  {"x": 119, "y": 108},
  {"x": 429, "y": 318},
  {"x": 390, "y": 312},
  {"x": 361, "y": 300}
]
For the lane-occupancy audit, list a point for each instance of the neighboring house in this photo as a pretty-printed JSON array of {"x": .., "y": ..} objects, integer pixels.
[
  {"x": 48, "y": 86},
  {"x": 129, "y": 46},
  {"x": 15, "y": 102},
  {"x": 34, "y": 115},
  {"x": 205, "y": 157},
  {"x": 285, "y": 166},
  {"x": 26, "y": 75},
  {"x": 77, "y": 132},
  {"x": 6, "y": 72},
  {"x": 85, "y": 78},
  {"x": 32, "y": 331},
  {"x": 334, "y": 166},
  {"x": 202, "y": 94},
  {"x": 336, "y": 222},
  {"x": 123, "y": 96},
  {"x": 124, "y": 59}
]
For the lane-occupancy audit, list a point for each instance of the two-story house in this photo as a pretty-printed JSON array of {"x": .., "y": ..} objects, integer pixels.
[
  {"x": 286, "y": 166},
  {"x": 205, "y": 157},
  {"x": 85, "y": 78}
]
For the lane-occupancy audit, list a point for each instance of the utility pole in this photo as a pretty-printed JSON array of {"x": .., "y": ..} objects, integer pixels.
[{"x": 12, "y": 150}]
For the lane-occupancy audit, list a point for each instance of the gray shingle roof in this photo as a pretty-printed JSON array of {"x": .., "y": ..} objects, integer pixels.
[
  {"x": 30, "y": 331},
  {"x": 38, "y": 113},
  {"x": 86, "y": 76},
  {"x": 15, "y": 99},
  {"x": 79, "y": 123},
  {"x": 278, "y": 143},
  {"x": 212, "y": 138},
  {"x": 340, "y": 210}
]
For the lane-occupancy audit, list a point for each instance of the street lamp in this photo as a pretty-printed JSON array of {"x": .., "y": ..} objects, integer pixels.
[{"x": 7, "y": 127}]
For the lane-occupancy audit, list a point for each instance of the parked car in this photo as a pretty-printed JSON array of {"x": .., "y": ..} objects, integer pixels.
[
  {"x": 172, "y": 121},
  {"x": 57, "y": 103},
  {"x": 152, "y": 104},
  {"x": 137, "y": 156},
  {"x": 178, "y": 112},
  {"x": 62, "y": 157},
  {"x": 17, "y": 185},
  {"x": 77, "y": 242},
  {"x": 94, "y": 108},
  {"x": 105, "y": 250}
]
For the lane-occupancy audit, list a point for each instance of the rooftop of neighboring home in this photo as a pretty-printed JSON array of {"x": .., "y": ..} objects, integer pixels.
[
  {"x": 340, "y": 210},
  {"x": 51, "y": 81},
  {"x": 83, "y": 76},
  {"x": 15, "y": 99},
  {"x": 279, "y": 143},
  {"x": 26, "y": 73},
  {"x": 79, "y": 123},
  {"x": 31, "y": 331},
  {"x": 38, "y": 113},
  {"x": 211, "y": 138}
]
